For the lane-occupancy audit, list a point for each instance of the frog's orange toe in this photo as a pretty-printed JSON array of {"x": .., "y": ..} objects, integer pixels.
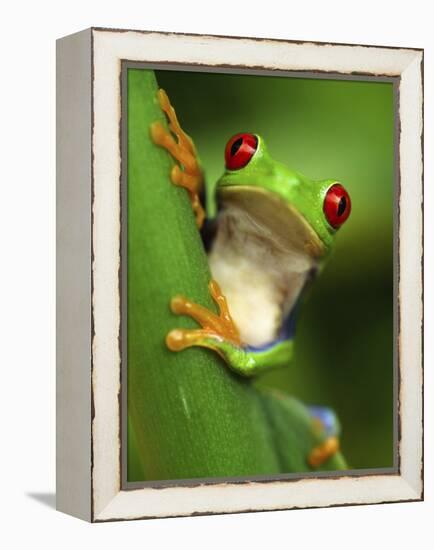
[
  {"x": 177, "y": 304},
  {"x": 176, "y": 175},
  {"x": 158, "y": 133},
  {"x": 163, "y": 99},
  {"x": 175, "y": 340},
  {"x": 323, "y": 452}
]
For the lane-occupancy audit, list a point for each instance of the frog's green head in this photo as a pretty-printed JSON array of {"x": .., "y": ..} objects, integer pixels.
[{"x": 301, "y": 214}]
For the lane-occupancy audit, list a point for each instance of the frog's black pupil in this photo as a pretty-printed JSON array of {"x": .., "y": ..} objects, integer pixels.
[
  {"x": 342, "y": 206},
  {"x": 235, "y": 146}
]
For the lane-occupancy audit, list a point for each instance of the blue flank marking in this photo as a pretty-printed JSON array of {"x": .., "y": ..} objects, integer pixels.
[
  {"x": 327, "y": 418},
  {"x": 269, "y": 345}
]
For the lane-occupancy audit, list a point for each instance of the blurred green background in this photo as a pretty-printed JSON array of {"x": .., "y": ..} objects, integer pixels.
[{"x": 324, "y": 129}]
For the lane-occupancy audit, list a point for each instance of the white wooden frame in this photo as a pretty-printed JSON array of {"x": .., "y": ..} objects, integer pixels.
[{"x": 88, "y": 260}]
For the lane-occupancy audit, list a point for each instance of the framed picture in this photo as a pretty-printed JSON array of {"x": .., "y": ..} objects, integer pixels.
[{"x": 239, "y": 274}]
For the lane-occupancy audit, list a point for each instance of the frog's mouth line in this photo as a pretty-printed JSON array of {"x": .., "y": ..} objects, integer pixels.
[
  {"x": 264, "y": 254},
  {"x": 285, "y": 223}
]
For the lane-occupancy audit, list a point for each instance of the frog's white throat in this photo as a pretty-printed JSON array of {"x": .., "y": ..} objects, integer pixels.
[{"x": 260, "y": 277}]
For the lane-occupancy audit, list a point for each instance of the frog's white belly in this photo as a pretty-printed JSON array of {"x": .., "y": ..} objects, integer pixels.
[
  {"x": 252, "y": 298},
  {"x": 261, "y": 282}
]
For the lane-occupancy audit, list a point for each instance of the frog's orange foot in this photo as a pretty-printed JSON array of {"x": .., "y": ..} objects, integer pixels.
[
  {"x": 323, "y": 452},
  {"x": 216, "y": 328},
  {"x": 188, "y": 173}
]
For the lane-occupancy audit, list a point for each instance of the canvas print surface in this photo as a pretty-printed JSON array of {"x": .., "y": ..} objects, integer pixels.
[{"x": 258, "y": 275}]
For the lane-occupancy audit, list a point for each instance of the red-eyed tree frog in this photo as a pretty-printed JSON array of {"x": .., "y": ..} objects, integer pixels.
[{"x": 270, "y": 230}]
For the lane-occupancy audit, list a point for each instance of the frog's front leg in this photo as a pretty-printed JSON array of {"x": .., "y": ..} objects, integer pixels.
[
  {"x": 219, "y": 333},
  {"x": 189, "y": 174}
]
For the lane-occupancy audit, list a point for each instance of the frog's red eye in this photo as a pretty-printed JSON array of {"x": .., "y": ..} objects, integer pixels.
[
  {"x": 239, "y": 150},
  {"x": 337, "y": 205}
]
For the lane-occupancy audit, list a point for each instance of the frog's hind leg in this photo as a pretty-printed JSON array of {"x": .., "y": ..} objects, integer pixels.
[
  {"x": 188, "y": 173},
  {"x": 301, "y": 439},
  {"x": 326, "y": 425}
]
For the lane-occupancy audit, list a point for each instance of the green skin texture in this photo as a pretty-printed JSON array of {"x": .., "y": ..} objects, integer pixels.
[{"x": 306, "y": 197}]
